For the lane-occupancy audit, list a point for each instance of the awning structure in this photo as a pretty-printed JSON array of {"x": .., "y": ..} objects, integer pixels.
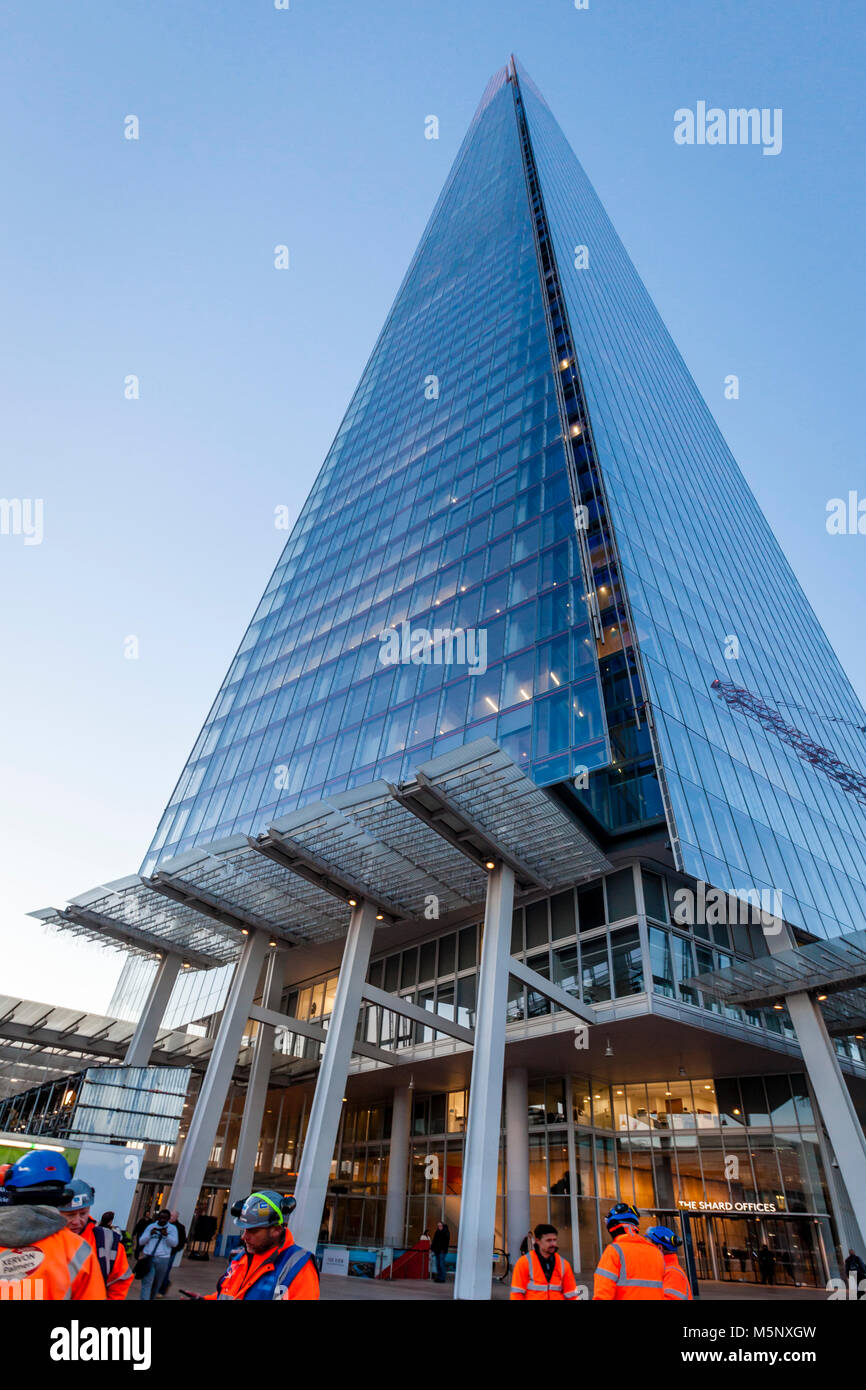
[
  {"x": 40, "y": 1043},
  {"x": 437, "y": 835},
  {"x": 835, "y": 969}
]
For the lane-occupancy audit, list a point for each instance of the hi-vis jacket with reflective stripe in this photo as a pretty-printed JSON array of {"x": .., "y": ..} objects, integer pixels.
[
  {"x": 631, "y": 1268},
  {"x": 528, "y": 1281},
  {"x": 676, "y": 1283},
  {"x": 111, "y": 1255},
  {"x": 286, "y": 1273},
  {"x": 41, "y": 1260}
]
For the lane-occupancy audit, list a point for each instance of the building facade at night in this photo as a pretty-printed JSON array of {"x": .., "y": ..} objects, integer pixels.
[{"x": 530, "y": 540}]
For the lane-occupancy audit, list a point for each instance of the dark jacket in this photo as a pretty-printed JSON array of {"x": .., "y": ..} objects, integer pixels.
[{"x": 441, "y": 1241}]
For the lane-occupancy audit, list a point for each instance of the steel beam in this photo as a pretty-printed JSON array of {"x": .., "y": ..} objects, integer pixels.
[
  {"x": 481, "y": 1160},
  {"x": 215, "y": 1083},
  {"x": 315, "y": 1169},
  {"x": 142, "y": 1042},
  {"x": 551, "y": 991},
  {"x": 418, "y": 1015}
]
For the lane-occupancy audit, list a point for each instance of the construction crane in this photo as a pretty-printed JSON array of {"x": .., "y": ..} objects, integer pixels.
[{"x": 753, "y": 707}]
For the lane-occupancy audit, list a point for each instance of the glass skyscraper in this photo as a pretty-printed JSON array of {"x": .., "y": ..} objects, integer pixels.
[
  {"x": 526, "y": 455},
  {"x": 527, "y": 462}
]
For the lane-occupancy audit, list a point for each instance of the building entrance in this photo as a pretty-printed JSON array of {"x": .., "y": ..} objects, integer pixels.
[{"x": 779, "y": 1249}]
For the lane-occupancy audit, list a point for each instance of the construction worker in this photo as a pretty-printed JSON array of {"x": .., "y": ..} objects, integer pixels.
[
  {"x": 676, "y": 1281},
  {"x": 40, "y": 1258},
  {"x": 105, "y": 1242},
  {"x": 268, "y": 1266},
  {"x": 632, "y": 1267},
  {"x": 542, "y": 1273}
]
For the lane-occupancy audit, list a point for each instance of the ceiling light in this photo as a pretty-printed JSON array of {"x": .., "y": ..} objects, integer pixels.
[
  {"x": 490, "y": 864},
  {"x": 353, "y": 902}
]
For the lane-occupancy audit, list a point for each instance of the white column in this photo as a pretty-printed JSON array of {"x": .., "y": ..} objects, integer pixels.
[
  {"x": 214, "y": 1087},
  {"x": 315, "y": 1169},
  {"x": 142, "y": 1041},
  {"x": 257, "y": 1086},
  {"x": 483, "y": 1120},
  {"x": 398, "y": 1166},
  {"x": 837, "y": 1107},
  {"x": 828, "y": 1084},
  {"x": 517, "y": 1158}
]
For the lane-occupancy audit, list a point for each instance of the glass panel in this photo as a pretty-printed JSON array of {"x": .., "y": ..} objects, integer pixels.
[
  {"x": 562, "y": 915},
  {"x": 596, "y": 970},
  {"x": 590, "y": 906},
  {"x": 660, "y": 959},
  {"x": 620, "y": 895},
  {"x": 627, "y": 962},
  {"x": 654, "y": 896}
]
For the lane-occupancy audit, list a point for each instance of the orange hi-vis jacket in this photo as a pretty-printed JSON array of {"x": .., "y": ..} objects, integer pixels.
[
  {"x": 675, "y": 1280},
  {"x": 296, "y": 1278},
  {"x": 632, "y": 1267},
  {"x": 528, "y": 1281},
  {"x": 41, "y": 1260},
  {"x": 108, "y": 1248}
]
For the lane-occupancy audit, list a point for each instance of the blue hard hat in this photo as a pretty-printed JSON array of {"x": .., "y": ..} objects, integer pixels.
[
  {"x": 664, "y": 1237},
  {"x": 80, "y": 1196},
  {"x": 265, "y": 1208},
  {"x": 39, "y": 1166},
  {"x": 623, "y": 1214}
]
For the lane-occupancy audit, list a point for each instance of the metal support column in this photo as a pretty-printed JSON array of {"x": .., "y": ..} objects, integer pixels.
[
  {"x": 516, "y": 1158},
  {"x": 142, "y": 1041},
  {"x": 483, "y": 1121},
  {"x": 398, "y": 1167},
  {"x": 257, "y": 1087},
  {"x": 828, "y": 1085},
  {"x": 837, "y": 1107},
  {"x": 214, "y": 1087},
  {"x": 313, "y": 1175}
]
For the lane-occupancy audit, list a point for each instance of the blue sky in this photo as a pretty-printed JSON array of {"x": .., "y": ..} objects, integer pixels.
[{"x": 155, "y": 257}]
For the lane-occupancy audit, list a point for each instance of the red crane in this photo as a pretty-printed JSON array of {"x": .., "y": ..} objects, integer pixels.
[{"x": 811, "y": 752}]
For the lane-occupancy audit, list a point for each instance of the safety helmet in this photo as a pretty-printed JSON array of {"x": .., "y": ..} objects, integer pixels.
[
  {"x": 664, "y": 1237},
  {"x": 82, "y": 1196},
  {"x": 623, "y": 1214},
  {"x": 40, "y": 1177},
  {"x": 265, "y": 1208}
]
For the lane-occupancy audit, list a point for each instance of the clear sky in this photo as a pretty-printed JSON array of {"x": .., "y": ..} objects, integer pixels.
[{"x": 154, "y": 257}]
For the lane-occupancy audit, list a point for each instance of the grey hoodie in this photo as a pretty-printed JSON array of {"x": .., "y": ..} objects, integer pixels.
[{"x": 20, "y": 1226}]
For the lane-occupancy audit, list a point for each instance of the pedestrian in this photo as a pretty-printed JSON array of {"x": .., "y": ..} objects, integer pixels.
[
  {"x": 439, "y": 1249},
  {"x": 268, "y": 1266},
  {"x": 854, "y": 1265},
  {"x": 103, "y": 1240},
  {"x": 107, "y": 1219},
  {"x": 40, "y": 1258},
  {"x": 158, "y": 1240},
  {"x": 675, "y": 1280},
  {"x": 181, "y": 1242},
  {"x": 767, "y": 1264},
  {"x": 631, "y": 1267},
  {"x": 542, "y": 1273},
  {"x": 139, "y": 1228}
]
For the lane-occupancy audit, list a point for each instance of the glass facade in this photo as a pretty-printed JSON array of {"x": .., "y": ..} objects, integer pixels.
[
  {"x": 443, "y": 503},
  {"x": 692, "y": 544}
]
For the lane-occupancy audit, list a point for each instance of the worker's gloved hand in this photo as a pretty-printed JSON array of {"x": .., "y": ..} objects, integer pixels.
[{"x": 185, "y": 1293}]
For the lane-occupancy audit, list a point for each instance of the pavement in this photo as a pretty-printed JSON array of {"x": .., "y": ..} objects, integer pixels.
[{"x": 200, "y": 1276}]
